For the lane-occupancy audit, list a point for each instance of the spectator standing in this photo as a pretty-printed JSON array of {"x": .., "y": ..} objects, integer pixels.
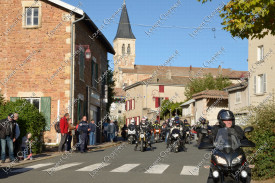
[
  {"x": 17, "y": 143},
  {"x": 92, "y": 128},
  {"x": 111, "y": 130},
  {"x": 64, "y": 132},
  {"x": 105, "y": 129},
  {"x": 7, "y": 136},
  {"x": 69, "y": 139},
  {"x": 25, "y": 146},
  {"x": 83, "y": 129}
]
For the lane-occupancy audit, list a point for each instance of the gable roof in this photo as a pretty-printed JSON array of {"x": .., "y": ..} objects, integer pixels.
[
  {"x": 211, "y": 94},
  {"x": 124, "y": 28},
  {"x": 89, "y": 22},
  {"x": 184, "y": 71},
  {"x": 234, "y": 87}
]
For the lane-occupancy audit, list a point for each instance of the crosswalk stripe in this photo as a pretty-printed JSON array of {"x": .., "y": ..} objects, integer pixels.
[
  {"x": 190, "y": 170},
  {"x": 57, "y": 168},
  {"x": 125, "y": 168},
  {"x": 93, "y": 167},
  {"x": 157, "y": 169},
  {"x": 21, "y": 170}
]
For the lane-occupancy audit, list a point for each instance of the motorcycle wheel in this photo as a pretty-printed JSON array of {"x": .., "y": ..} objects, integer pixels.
[{"x": 141, "y": 145}]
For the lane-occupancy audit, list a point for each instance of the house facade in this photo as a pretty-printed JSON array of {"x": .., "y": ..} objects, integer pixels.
[
  {"x": 238, "y": 101},
  {"x": 261, "y": 67},
  {"x": 51, "y": 60}
]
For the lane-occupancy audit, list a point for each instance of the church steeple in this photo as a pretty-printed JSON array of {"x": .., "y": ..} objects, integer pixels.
[{"x": 124, "y": 28}]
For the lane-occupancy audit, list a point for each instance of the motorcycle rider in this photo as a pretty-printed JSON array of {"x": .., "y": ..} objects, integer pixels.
[
  {"x": 226, "y": 119},
  {"x": 203, "y": 125},
  {"x": 178, "y": 125},
  {"x": 145, "y": 126},
  {"x": 165, "y": 129},
  {"x": 132, "y": 126},
  {"x": 156, "y": 125}
]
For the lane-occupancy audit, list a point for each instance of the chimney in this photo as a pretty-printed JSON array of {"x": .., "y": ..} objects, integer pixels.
[
  {"x": 169, "y": 74},
  {"x": 220, "y": 69}
]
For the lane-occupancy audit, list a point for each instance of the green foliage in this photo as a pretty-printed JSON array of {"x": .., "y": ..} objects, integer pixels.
[
  {"x": 2, "y": 101},
  {"x": 264, "y": 137},
  {"x": 165, "y": 107},
  {"x": 248, "y": 18},
  {"x": 30, "y": 120},
  {"x": 111, "y": 85},
  {"x": 207, "y": 82}
]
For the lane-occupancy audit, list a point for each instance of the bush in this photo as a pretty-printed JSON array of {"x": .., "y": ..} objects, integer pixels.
[
  {"x": 30, "y": 120},
  {"x": 264, "y": 138}
]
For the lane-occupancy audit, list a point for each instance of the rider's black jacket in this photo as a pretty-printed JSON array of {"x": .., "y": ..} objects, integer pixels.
[
  {"x": 234, "y": 130},
  {"x": 132, "y": 127}
]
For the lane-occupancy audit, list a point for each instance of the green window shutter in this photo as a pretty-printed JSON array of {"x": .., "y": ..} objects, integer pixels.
[
  {"x": 46, "y": 111},
  {"x": 78, "y": 110},
  {"x": 92, "y": 73},
  {"x": 13, "y": 99},
  {"x": 96, "y": 73}
]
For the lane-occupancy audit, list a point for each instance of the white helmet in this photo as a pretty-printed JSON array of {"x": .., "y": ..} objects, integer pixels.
[
  {"x": 132, "y": 121},
  {"x": 172, "y": 119}
]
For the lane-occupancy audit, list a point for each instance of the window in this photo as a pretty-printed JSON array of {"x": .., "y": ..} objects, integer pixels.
[
  {"x": 238, "y": 97},
  {"x": 128, "y": 49},
  {"x": 161, "y": 88},
  {"x": 158, "y": 101},
  {"x": 94, "y": 69},
  {"x": 35, "y": 102},
  {"x": 81, "y": 65},
  {"x": 260, "y": 84},
  {"x": 32, "y": 14},
  {"x": 260, "y": 53},
  {"x": 123, "y": 49},
  {"x": 43, "y": 104}
]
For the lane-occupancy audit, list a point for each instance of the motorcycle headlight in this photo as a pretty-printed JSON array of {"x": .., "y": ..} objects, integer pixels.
[
  {"x": 220, "y": 160},
  {"x": 175, "y": 135},
  {"x": 237, "y": 159}
]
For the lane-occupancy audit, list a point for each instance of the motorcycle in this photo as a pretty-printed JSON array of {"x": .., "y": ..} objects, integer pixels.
[
  {"x": 131, "y": 136},
  {"x": 188, "y": 137},
  {"x": 174, "y": 141},
  {"x": 157, "y": 133},
  {"x": 228, "y": 160},
  {"x": 144, "y": 141}
]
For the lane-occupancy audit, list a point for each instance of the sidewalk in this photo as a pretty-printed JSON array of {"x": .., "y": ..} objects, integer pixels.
[{"x": 53, "y": 152}]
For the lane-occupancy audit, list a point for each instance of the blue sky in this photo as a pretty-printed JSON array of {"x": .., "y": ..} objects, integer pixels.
[{"x": 174, "y": 33}]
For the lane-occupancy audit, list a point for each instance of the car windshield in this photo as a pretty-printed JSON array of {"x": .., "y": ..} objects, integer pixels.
[{"x": 226, "y": 138}]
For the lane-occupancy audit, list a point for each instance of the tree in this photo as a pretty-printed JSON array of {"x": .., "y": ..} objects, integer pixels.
[
  {"x": 30, "y": 120},
  {"x": 207, "y": 82},
  {"x": 2, "y": 100},
  {"x": 111, "y": 85},
  {"x": 263, "y": 135},
  {"x": 167, "y": 105},
  {"x": 248, "y": 18}
]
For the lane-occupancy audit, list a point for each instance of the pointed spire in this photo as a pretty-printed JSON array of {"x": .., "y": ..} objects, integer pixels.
[{"x": 124, "y": 28}]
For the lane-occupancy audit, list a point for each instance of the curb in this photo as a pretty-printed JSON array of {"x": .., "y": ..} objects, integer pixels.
[{"x": 55, "y": 155}]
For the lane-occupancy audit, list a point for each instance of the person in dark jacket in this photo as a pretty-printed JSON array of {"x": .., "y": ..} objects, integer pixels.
[
  {"x": 7, "y": 136},
  {"x": 83, "y": 129},
  {"x": 64, "y": 132},
  {"x": 112, "y": 130},
  {"x": 92, "y": 128}
]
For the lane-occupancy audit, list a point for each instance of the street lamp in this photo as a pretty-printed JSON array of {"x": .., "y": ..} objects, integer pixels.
[{"x": 88, "y": 53}]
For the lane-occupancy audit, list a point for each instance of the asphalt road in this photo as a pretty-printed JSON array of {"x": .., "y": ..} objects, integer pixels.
[{"x": 116, "y": 165}]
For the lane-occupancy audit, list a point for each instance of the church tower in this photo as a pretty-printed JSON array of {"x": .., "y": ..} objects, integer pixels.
[{"x": 124, "y": 44}]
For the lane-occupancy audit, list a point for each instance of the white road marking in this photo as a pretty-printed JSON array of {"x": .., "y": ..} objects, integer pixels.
[
  {"x": 157, "y": 169},
  {"x": 190, "y": 170},
  {"x": 93, "y": 167},
  {"x": 125, "y": 168},
  {"x": 21, "y": 170},
  {"x": 61, "y": 167}
]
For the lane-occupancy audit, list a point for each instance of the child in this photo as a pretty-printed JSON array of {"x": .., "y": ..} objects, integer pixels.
[{"x": 26, "y": 145}]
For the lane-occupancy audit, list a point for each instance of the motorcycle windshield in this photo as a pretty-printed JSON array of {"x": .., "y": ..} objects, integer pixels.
[{"x": 226, "y": 138}]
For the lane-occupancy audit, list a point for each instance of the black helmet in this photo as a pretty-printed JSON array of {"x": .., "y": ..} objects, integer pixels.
[
  {"x": 177, "y": 118},
  {"x": 185, "y": 121},
  {"x": 202, "y": 120},
  {"x": 226, "y": 115}
]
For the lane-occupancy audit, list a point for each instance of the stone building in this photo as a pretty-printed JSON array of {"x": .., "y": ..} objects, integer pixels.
[{"x": 49, "y": 57}]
